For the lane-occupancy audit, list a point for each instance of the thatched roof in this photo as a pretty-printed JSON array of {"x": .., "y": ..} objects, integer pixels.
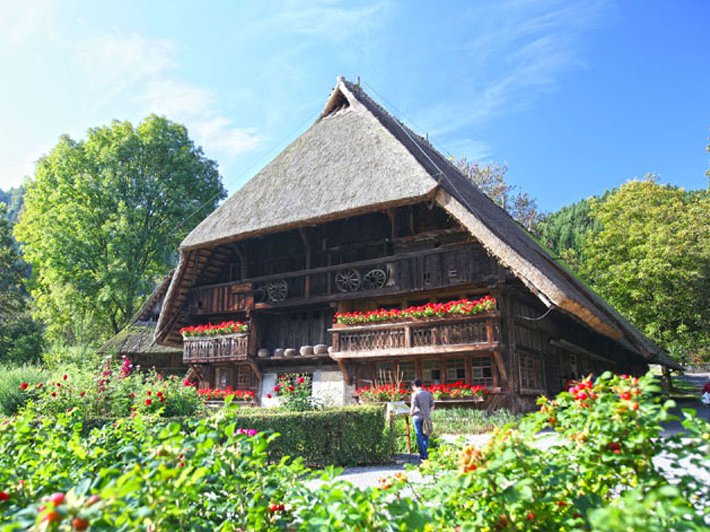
[
  {"x": 358, "y": 158},
  {"x": 137, "y": 339}
]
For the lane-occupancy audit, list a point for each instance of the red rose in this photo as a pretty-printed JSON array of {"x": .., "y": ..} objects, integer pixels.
[
  {"x": 530, "y": 516},
  {"x": 162, "y": 399},
  {"x": 160, "y": 394},
  {"x": 4, "y": 495},
  {"x": 277, "y": 388},
  {"x": 54, "y": 394},
  {"x": 80, "y": 524},
  {"x": 268, "y": 396},
  {"x": 625, "y": 396},
  {"x": 82, "y": 394},
  {"x": 149, "y": 393},
  {"x": 64, "y": 377},
  {"x": 148, "y": 402},
  {"x": 290, "y": 388},
  {"x": 300, "y": 380},
  {"x": 133, "y": 396},
  {"x": 57, "y": 498},
  {"x": 24, "y": 385}
]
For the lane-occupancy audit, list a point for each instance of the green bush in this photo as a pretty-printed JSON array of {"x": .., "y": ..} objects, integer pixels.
[
  {"x": 339, "y": 436},
  {"x": 471, "y": 421},
  {"x": 12, "y": 396},
  {"x": 111, "y": 392}
]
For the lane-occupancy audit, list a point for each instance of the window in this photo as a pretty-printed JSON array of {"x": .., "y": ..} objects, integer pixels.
[
  {"x": 431, "y": 372},
  {"x": 531, "y": 372},
  {"x": 455, "y": 370},
  {"x": 384, "y": 372},
  {"x": 221, "y": 377},
  {"x": 482, "y": 371},
  {"x": 244, "y": 377},
  {"x": 407, "y": 371}
]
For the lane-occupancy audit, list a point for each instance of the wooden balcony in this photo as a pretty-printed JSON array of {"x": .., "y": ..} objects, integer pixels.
[
  {"x": 401, "y": 273},
  {"x": 223, "y": 348},
  {"x": 425, "y": 337}
]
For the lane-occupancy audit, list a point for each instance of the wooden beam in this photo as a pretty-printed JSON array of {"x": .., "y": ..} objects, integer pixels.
[
  {"x": 500, "y": 365},
  {"x": 416, "y": 351},
  {"x": 344, "y": 371},
  {"x": 255, "y": 369}
]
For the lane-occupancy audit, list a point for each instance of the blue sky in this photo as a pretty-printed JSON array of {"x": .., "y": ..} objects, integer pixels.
[{"x": 577, "y": 97}]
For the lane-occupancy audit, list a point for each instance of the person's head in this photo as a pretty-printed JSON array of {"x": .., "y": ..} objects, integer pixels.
[{"x": 416, "y": 383}]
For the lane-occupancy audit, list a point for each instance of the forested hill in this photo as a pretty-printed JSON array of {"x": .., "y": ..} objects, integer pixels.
[{"x": 13, "y": 198}]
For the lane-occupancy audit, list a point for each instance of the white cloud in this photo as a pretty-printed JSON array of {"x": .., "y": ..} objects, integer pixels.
[
  {"x": 518, "y": 50},
  {"x": 143, "y": 69}
]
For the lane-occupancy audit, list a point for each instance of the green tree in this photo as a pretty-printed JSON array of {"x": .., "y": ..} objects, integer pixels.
[
  {"x": 564, "y": 231},
  {"x": 20, "y": 336},
  {"x": 103, "y": 218},
  {"x": 651, "y": 260},
  {"x": 490, "y": 178}
]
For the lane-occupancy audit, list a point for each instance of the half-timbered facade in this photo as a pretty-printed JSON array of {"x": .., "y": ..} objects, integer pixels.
[{"x": 360, "y": 214}]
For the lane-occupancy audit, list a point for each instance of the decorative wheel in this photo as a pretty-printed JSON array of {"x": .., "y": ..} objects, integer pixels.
[
  {"x": 348, "y": 280},
  {"x": 277, "y": 290},
  {"x": 375, "y": 278},
  {"x": 260, "y": 294}
]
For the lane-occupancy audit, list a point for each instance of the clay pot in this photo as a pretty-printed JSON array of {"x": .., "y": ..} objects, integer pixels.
[
  {"x": 306, "y": 350},
  {"x": 320, "y": 349},
  {"x": 290, "y": 352}
]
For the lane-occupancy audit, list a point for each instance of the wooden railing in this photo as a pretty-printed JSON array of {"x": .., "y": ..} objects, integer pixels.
[
  {"x": 224, "y": 348},
  {"x": 404, "y": 272},
  {"x": 441, "y": 335}
]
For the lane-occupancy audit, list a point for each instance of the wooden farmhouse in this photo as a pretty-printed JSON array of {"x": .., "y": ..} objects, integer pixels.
[{"x": 360, "y": 213}]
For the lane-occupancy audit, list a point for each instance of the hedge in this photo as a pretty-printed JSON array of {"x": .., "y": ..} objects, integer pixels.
[
  {"x": 341, "y": 436},
  {"x": 355, "y": 435}
]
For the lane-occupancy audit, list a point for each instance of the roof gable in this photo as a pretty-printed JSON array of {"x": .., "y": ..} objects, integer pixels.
[{"x": 346, "y": 163}]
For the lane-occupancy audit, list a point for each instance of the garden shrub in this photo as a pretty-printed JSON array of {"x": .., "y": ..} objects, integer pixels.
[
  {"x": 216, "y": 473},
  {"x": 113, "y": 391},
  {"x": 337, "y": 436},
  {"x": 12, "y": 396}
]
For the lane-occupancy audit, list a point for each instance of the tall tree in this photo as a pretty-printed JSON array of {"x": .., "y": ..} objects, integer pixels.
[
  {"x": 490, "y": 178},
  {"x": 564, "y": 231},
  {"x": 103, "y": 218},
  {"x": 651, "y": 260},
  {"x": 20, "y": 336}
]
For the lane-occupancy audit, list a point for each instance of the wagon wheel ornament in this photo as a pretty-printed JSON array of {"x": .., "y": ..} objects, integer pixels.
[
  {"x": 375, "y": 278},
  {"x": 277, "y": 290},
  {"x": 260, "y": 294},
  {"x": 348, "y": 280}
]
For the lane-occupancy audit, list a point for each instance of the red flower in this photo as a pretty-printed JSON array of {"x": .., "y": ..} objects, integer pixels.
[
  {"x": 530, "y": 516},
  {"x": 159, "y": 394},
  {"x": 82, "y": 394},
  {"x": 54, "y": 394},
  {"x": 64, "y": 377},
  {"x": 133, "y": 395},
  {"x": 149, "y": 393},
  {"x": 268, "y": 396},
  {"x": 4, "y": 495},
  {"x": 291, "y": 388},
  {"x": 148, "y": 402},
  {"x": 277, "y": 388},
  {"x": 625, "y": 396},
  {"x": 300, "y": 380},
  {"x": 24, "y": 385},
  {"x": 56, "y": 498},
  {"x": 162, "y": 399},
  {"x": 80, "y": 524}
]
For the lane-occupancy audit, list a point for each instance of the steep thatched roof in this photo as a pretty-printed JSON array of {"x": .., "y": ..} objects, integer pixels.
[{"x": 358, "y": 158}]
